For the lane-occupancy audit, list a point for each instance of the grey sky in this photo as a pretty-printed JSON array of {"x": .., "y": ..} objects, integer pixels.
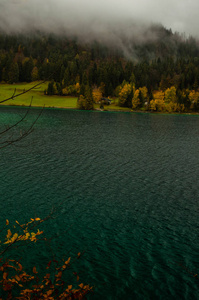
[{"x": 94, "y": 17}]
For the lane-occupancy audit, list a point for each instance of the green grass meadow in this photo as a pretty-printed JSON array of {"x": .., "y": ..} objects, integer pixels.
[
  {"x": 40, "y": 100},
  {"x": 37, "y": 95}
]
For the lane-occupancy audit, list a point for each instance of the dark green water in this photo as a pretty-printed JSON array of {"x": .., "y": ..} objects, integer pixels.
[{"x": 126, "y": 189}]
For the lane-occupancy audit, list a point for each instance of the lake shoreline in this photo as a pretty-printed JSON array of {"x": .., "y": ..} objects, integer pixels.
[{"x": 102, "y": 110}]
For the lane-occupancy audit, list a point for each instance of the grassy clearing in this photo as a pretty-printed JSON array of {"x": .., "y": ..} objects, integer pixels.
[
  {"x": 39, "y": 99},
  {"x": 113, "y": 107}
]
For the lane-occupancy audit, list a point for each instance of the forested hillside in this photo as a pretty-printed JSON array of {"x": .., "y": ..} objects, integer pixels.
[{"x": 159, "y": 75}]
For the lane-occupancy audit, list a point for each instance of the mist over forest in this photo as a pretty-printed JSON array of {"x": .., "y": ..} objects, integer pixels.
[
  {"x": 114, "y": 48},
  {"x": 97, "y": 17},
  {"x": 118, "y": 25}
]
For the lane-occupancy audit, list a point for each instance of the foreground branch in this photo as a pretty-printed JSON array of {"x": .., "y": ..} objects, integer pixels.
[
  {"x": 8, "y": 131},
  {"x": 22, "y": 93}
]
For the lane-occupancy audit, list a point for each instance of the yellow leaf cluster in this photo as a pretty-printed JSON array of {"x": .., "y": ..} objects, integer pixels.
[
  {"x": 12, "y": 238},
  {"x": 125, "y": 92},
  {"x": 136, "y": 100},
  {"x": 97, "y": 95},
  {"x": 170, "y": 95},
  {"x": 77, "y": 87},
  {"x": 31, "y": 286},
  {"x": 193, "y": 97},
  {"x": 157, "y": 105},
  {"x": 144, "y": 92},
  {"x": 174, "y": 107}
]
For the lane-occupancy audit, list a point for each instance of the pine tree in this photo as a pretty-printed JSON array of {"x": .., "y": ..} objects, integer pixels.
[{"x": 13, "y": 73}]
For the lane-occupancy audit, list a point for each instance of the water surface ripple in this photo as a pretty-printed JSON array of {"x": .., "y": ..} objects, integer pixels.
[{"x": 126, "y": 191}]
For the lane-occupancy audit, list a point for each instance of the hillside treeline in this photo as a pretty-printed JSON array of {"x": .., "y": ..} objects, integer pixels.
[{"x": 164, "y": 75}]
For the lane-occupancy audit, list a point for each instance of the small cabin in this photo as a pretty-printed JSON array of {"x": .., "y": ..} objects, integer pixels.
[{"x": 105, "y": 101}]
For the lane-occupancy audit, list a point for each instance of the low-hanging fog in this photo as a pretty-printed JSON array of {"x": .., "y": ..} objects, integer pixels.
[
  {"x": 90, "y": 16},
  {"x": 107, "y": 21}
]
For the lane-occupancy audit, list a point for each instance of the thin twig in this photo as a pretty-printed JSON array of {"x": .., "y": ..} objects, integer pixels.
[
  {"x": 25, "y": 134},
  {"x": 24, "y": 92},
  {"x": 21, "y": 120}
]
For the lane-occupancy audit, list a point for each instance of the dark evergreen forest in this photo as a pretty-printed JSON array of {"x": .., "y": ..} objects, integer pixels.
[{"x": 168, "y": 66}]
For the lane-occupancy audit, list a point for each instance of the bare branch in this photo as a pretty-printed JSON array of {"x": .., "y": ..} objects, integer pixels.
[
  {"x": 24, "y": 92},
  {"x": 11, "y": 141},
  {"x": 22, "y": 136},
  {"x": 21, "y": 120}
]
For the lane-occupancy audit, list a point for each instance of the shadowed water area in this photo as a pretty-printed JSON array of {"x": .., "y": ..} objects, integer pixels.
[{"x": 126, "y": 191}]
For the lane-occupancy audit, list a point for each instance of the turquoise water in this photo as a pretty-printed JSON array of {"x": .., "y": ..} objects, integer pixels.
[{"x": 126, "y": 191}]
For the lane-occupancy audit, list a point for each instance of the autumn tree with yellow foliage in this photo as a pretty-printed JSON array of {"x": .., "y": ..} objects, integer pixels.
[
  {"x": 170, "y": 95},
  {"x": 144, "y": 97},
  {"x": 136, "y": 99},
  {"x": 158, "y": 103},
  {"x": 126, "y": 94},
  {"x": 194, "y": 98},
  {"x": 97, "y": 95},
  {"x": 85, "y": 102}
]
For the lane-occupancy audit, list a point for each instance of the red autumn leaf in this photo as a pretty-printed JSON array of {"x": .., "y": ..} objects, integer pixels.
[
  {"x": 48, "y": 265},
  {"x": 70, "y": 287},
  {"x": 18, "y": 278},
  {"x": 5, "y": 275},
  {"x": 59, "y": 275},
  {"x": 7, "y": 287},
  {"x": 20, "y": 267},
  {"x": 35, "y": 270},
  {"x": 49, "y": 292}
]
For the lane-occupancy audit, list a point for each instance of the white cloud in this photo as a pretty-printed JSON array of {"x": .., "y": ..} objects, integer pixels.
[{"x": 95, "y": 15}]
